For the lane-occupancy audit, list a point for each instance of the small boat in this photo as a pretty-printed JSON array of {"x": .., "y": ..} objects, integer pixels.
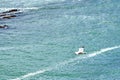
[{"x": 80, "y": 51}]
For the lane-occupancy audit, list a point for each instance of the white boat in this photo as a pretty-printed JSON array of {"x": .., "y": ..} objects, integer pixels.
[{"x": 80, "y": 51}]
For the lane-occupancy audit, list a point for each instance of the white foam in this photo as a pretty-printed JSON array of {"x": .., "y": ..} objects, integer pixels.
[
  {"x": 67, "y": 62},
  {"x": 19, "y": 47},
  {"x": 11, "y": 48},
  {"x": 102, "y": 51},
  {"x": 22, "y": 9},
  {"x": 6, "y": 48},
  {"x": 32, "y": 74},
  {"x": 19, "y": 8}
]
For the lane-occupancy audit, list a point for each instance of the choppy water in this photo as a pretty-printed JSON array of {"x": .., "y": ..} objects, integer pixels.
[{"x": 41, "y": 41}]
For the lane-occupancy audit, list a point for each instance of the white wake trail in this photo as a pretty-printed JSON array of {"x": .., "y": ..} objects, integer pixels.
[
  {"x": 102, "y": 51},
  {"x": 66, "y": 62}
]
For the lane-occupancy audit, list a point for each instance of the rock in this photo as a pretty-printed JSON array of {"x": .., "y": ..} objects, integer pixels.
[
  {"x": 4, "y": 26},
  {"x": 8, "y": 16},
  {"x": 12, "y": 10},
  {"x": 2, "y": 14}
]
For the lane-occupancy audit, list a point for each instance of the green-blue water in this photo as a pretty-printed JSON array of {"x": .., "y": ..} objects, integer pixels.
[{"x": 41, "y": 41}]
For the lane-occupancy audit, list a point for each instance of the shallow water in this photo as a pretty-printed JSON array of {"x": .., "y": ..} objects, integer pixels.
[{"x": 41, "y": 41}]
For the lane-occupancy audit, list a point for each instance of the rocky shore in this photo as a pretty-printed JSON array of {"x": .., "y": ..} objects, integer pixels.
[{"x": 8, "y": 15}]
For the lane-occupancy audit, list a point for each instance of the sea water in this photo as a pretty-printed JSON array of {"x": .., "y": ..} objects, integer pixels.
[{"x": 41, "y": 41}]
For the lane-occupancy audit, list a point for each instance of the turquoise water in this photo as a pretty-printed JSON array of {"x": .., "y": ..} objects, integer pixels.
[{"x": 41, "y": 41}]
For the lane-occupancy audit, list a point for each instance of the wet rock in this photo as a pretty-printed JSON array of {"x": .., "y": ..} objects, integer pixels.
[
  {"x": 2, "y": 14},
  {"x": 4, "y": 26},
  {"x": 8, "y": 16},
  {"x": 12, "y": 10}
]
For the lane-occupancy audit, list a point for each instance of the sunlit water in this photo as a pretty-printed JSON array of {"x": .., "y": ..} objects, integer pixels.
[{"x": 42, "y": 39}]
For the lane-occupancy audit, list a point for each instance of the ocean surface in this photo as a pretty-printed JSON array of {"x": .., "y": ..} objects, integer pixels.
[{"x": 41, "y": 42}]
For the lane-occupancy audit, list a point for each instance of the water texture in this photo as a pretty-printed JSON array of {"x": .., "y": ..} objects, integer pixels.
[{"x": 41, "y": 41}]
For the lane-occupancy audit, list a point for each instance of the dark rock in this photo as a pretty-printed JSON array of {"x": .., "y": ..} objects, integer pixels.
[
  {"x": 4, "y": 26},
  {"x": 2, "y": 14},
  {"x": 12, "y": 10},
  {"x": 8, "y": 16}
]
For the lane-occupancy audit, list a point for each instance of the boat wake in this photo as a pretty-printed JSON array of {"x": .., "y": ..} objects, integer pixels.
[{"x": 67, "y": 62}]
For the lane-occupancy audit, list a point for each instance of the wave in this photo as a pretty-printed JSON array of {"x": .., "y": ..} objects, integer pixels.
[
  {"x": 27, "y": 3},
  {"x": 31, "y": 5},
  {"x": 18, "y": 47},
  {"x": 21, "y": 9},
  {"x": 67, "y": 62},
  {"x": 6, "y": 48}
]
